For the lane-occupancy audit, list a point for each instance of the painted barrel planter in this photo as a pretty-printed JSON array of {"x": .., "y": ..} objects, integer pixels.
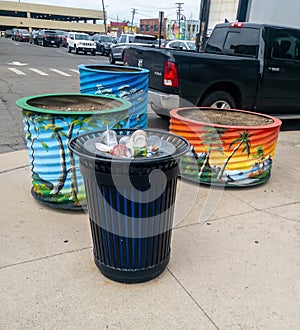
[
  {"x": 129, "y": 83},
  {"x": 229, "y": 147},
  {"x": 50, "y": 122}
]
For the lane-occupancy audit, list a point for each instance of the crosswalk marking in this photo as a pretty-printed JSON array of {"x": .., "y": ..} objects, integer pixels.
[
  {"x": 43, "y": 73},
  {"x": 16, "y": 71},
  {"x": 39, "y": 72},
  {"x": 61, "y": 72},
  {"x": 74, "y": 70}
]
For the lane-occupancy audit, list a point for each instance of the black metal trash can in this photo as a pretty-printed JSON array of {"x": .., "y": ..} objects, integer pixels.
[{"x": 131, "y": 205}]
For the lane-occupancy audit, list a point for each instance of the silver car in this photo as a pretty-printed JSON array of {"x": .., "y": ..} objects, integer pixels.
[{"x": 126, "y": 40}]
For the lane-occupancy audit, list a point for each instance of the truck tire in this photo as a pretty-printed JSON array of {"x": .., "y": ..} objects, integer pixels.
[
  {"x": 102, "y": 50},
  {"x": 111, "y": 58},
  {"x": 69, "y": 48},
  {"x": 219, "y": 99}
]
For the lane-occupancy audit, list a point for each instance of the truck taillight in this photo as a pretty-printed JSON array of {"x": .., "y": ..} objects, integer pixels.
[
  {"x": 170, "y": 74},
  {"x": 236, "y": 25}
]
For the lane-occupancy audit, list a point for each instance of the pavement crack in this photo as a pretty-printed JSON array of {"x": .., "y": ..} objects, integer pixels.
[
  {"x": 15, "y": 168},
  {"x": 193, "y": 299},
  {"x": 45, "y": 257}
]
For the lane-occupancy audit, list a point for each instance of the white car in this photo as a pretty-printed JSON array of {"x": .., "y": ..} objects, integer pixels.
[
  {"x": 80, "y": 42},
  {"x": 181, "y": 44}
]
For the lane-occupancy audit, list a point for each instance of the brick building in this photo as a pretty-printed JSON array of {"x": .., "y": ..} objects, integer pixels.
[{"x": 151, "y": 26}]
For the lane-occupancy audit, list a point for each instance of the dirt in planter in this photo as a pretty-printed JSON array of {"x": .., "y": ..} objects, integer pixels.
[
  {"x": 79, "y": 106},
  {"x": 223, "y": 117}
]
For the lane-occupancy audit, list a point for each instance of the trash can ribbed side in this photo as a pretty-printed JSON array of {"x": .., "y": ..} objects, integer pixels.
[
  {"x": 131, "y": 206},
  {"x": 129, "y": 83},
  {"x": 131, "y": 239}
]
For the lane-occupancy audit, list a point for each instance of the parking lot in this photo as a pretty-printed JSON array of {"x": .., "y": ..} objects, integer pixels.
[{"x": 28, "y": 69}]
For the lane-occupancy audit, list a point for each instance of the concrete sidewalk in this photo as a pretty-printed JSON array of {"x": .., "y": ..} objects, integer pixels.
[{"x": 235, "y": 260}]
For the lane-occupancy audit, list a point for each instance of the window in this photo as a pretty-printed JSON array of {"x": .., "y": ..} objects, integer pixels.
[
  {"x": 148, "y": 28},
  {"x": 285, "y": 45},
  {"x": 155, "y": 28},
  {"x": 143, "y": 28},
  {"x": 238, "y": 41},
  {"x": 244, "y": 42},
  {"x": 122, "y": 39},
  {"x": 216, "y": 41}
]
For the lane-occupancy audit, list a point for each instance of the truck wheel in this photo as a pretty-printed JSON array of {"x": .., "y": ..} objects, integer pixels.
[
  {"x": 220, "y": 100},
  {"x": 69, "y": 49},
  {"x": 111, "y": 58},
  {"x": 76, "y": 50}
]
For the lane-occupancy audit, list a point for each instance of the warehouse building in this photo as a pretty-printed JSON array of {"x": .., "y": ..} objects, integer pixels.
[{"x": 34, "y": 16}]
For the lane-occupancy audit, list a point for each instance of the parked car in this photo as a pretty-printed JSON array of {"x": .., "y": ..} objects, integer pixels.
[
  {"x": 60, "y": 33},
  {"x": 33, "y": 37},
  {"x": 48, "y": 38},
  {"x": 103, "y": 43},
  {"x": 22, "y": 35},
  {"x": 125, "y": 40},
  {"x": 14, "y": 33},
  {"x": 8, "y": 33},
  {"x": 80, "y": 42},
  {"x": 181, "y": 44},
  {"x": 65, "y": 39}
]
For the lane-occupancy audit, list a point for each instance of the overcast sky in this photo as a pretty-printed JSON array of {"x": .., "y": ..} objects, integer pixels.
[{"x": 122, "y": 9}]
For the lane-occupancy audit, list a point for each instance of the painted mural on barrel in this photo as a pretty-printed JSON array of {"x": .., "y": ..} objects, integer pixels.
[
  {"x": 225, "y": 153},
  {"x": 50, "y": 121},
  {"x": 129, "y": 83}
]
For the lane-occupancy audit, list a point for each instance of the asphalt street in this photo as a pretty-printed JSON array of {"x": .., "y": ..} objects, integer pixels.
[{"x": 27, "y": 69}]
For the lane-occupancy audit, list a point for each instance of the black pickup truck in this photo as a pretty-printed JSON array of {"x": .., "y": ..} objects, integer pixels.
[{"x": 244, "y": 65}]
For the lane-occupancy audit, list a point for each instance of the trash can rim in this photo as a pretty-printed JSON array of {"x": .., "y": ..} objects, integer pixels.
[{"x": 81, "y": 154}]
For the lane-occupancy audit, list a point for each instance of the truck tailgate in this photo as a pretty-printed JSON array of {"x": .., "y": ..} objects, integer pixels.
[{"x": 152, "y": 59}]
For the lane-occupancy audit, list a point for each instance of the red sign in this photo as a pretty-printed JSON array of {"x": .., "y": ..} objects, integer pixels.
[{"x": 118, "y": 24}]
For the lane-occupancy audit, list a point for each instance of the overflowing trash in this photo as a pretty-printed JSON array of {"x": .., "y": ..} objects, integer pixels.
[{"x": 138, "y": 144}]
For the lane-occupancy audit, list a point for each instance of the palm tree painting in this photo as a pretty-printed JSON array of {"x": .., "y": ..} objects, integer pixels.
[
  {"x": 55, "y": 173},
  {"x": 222, "y": 153},
  {"x": 244, "y": 141}
]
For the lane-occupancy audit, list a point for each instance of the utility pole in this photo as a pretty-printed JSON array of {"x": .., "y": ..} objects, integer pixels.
[
  {"x": 134, "y": 11},
  {"x": 179, "y": 10},
  {"x": 103, "y": 10},
  {"x": 203, "y": 18},
  {"x": 161, "y": 20}
]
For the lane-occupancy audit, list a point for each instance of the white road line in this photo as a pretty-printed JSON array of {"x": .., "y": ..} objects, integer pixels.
[
  {"x": 39, "y": 72},
  {"x": 61, "y": 73},
  {"x": 74, "y": 70},
  {"x": 16, "y": 71}
]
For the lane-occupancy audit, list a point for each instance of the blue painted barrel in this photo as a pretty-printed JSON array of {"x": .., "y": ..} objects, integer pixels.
[{"x": 129, "y": 83}]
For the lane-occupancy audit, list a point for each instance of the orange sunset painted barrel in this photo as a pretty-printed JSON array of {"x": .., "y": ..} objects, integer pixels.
[{"x": 237, "y": 149}]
